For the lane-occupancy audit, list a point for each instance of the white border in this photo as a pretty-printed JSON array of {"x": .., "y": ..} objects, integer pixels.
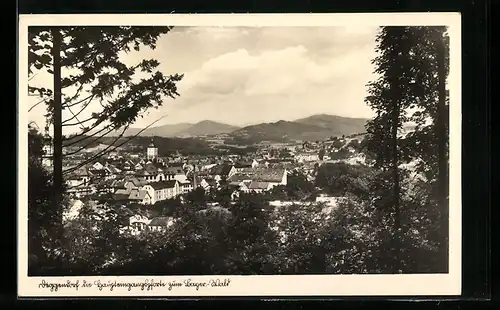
[{"x": 300, "y": 285}]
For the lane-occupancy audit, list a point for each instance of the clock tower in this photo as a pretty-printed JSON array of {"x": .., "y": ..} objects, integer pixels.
[{"x": 152, "y": 152}]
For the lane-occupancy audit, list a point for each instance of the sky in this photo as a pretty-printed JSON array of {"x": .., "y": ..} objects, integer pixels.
[{"x": 248, "y": 75}]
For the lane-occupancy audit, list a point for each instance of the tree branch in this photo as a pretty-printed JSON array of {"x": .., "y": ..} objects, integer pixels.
[
  {"x": 91, "y": 96},
  {"x": 75, "y": 95},
  {"x": 86, "y": 145},
  {"x": 36, "y": 104},
  {"x": 30, "y": 78},
  {"x": 75, "y": 115},
  {"x": 64, "y": 124},
  {"x": 101, "y": 153},
  {"x": 86, "y": 137},
  {"x": 89, "y": 182}
]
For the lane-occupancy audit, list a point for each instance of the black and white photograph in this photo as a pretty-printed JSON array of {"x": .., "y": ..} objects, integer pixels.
[{"x": 209, "y": 153}]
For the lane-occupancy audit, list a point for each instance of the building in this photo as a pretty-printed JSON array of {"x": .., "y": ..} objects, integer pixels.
[
  {"x": 78, "y": 183},
  {"x": 186, "y": 186},
  {"x": 48, "y": 152},
  {"x": 133, "y": 195},
  {"x": 138, "y": 223},
  {"x": 259, "y": 187},
  {"x": 160, "y": 223},
  {"x": 163, "y": 190},
  {"x": 152, "y": 151},
  {"x": 259, "y": 180},
  {"x": 151, "y": 173},
  {"x": 306, "y": 157},
  {"x": 133, "y": 183},
  {"x": 238, "y": 167},
  {"x": 175, "y": 173}
]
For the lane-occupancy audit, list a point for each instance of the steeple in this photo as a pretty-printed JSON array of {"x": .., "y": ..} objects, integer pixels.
[{"x": 152, "y": 151}]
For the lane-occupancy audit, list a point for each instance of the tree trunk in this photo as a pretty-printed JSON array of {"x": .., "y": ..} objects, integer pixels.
[
  {"x": 442, "y": 137},
  {"x": 57, "y": 116},
  {"x": 396, "y": 187}
]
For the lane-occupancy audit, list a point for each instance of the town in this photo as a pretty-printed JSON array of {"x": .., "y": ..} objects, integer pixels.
[
  {"x": 131, "y": 175},
  {"x": 222, "y": 158}
]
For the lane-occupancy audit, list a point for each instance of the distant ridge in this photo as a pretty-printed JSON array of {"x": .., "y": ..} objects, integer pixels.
[
  {"x": 338, "y": 125},
  {"x": 311, "y": 128},
  {"x": 209, "y": 128},
  {"x": 315, "y": 127},
  {"x": 206, "y": 127}
]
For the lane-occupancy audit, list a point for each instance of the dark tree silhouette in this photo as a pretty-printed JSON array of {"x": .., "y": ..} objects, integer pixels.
[
  {"x": 88, "y": 57},
  {"x": 412, "y": 69}
]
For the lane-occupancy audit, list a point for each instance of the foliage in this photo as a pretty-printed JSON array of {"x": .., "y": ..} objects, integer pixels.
[
  {"x": 321, "y": 154},
  {"x": 340, "y": 178},
  {"x": 342, "y": 153},
  {"x": 297, "y": 188},
  {"x": 44, "y": 218},
  {"x": 302, "y": 239},
  {"x": 250, "y": 236},
  {"x": 91, "y": 56},
  {"x": 412, "y": 68}
]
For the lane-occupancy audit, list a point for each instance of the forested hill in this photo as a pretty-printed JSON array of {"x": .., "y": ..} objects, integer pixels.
[{"x": 166, "y": 146}]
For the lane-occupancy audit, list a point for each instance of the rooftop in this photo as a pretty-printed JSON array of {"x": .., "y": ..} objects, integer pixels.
[
  {"x": 163, "y": 184},
  {"x": 151, "y": 144},
  {"x": 262, "y": 175},
  {"x": 160, "y": 221},
  {"x": 137, "y": 194},
  {"x": 258, "y": 185}
]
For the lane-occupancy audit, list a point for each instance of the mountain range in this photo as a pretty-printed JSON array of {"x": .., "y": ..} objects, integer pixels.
[
  {"x": 315, "y": 127},
  {"x": 312, "y": 128},
  {"x": 183, "y": 130}
]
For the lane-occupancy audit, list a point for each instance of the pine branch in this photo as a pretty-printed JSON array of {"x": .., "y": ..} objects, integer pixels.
[
  {"x": 75, "y": 95},
  {"x": 106, "y": 150},
  {"x": 88, "y": 182},
  {"x": 99, "y": 154},
  {"x": 75, "y": 115},
  {"x": 64, "y": 124},
  {"x": 85, "y": 137},
  {"x": 31, "y": 78},
  {"x": 90, "y": 97},
  {"x": 36, "y": 104},
  {"x": 90, "y": 143}
]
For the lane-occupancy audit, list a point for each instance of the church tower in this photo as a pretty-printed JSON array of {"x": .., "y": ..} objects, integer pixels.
[
  {"x": 48, "y": 150},
  {"x": 152, "y": 152}
]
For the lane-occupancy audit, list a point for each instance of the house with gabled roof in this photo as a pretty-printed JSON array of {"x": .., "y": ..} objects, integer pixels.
[
  {"x": 163, "y": 190},
  {"x": 160, "y": 223},
  {"x": 140, "y": 196},
  {"x": 138, "y": 223},
  {"x": 136, "y": 195},
  {"x": 259, "y": 187},
  {"x": 138, "y": 166},
  {"x": 260, "y": 179},
  {"x": 186, "y": 186},
  {"x": 113, "y": 169},
  {"x": 175, "y": 173}
]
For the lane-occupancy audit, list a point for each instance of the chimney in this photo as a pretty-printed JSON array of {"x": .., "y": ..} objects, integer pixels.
[{"x": 194, "y": 176}]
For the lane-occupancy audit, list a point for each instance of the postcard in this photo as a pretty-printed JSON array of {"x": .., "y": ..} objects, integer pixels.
[{"x": 191, "y": 155}]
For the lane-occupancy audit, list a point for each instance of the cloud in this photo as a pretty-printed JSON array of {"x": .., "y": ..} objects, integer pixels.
[
  {"x": 290, "y": 71},
  {"x": 242, "y": 75}
]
